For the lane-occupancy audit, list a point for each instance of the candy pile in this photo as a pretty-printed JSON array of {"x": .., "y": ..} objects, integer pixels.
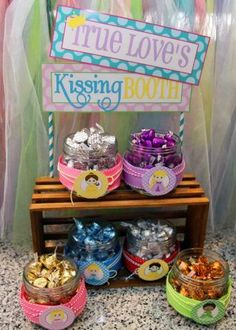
[
  {"x": 91, "y": 242},
  {"x": 149, "y": 148},
  {"x": 90, "y": 149},
  {"x": 148, "y": 239},
  {"x": 51, "y": 280},
  {"x": 50, "y": 272},
  {"x": 199, "y": 268}
]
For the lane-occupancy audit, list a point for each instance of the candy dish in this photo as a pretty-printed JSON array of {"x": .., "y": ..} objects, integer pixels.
[
  {"x": 149, "y": 148},
  {"x": 154, "y": 163},
  {"x": 98, "y": 273},
  {"x": 53, "y": 293},
  {"x": 150, "y": 239},
  {"x": 90, "y": 166},
  {"x": 90, "y": 149},
  {"x": 51, "y": 280},
  {"x": 200, "y": 274},
  {"x": 135, "y": 178},
  {"x": 149, "y": 245},
  {"x": 194, "y": 309},
  {"x": 68, "y": 175},
  {"x": 91, "y": 241},
  {"x": 132, "y": 263},
  {"x": 57, "y": 317},
  {"x": 198, "y": 285},
  {"x": 96, "y": 250}
]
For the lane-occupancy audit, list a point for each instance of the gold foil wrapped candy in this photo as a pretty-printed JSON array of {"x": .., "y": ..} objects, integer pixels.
[
  {"x": 40, "y": 282},
  {"x": 50, "y": 272},
  {"x": 51, "y": 279}
]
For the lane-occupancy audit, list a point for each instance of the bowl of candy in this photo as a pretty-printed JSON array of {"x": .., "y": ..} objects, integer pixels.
[
  {"x": 148, "y": 240},
  {"x": 90, "y": 165},
  {"x": 96, "y": 249},
  {"x": 154, "y": 162},
  {"x": 198, "y": 285},
  {"x": 53, "y": 292}
]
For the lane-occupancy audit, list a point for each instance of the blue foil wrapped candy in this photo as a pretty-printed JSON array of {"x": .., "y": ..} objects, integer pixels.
[
  {"x": 79, "y": 225},
  {"x": 91, "y": 242},
  {"x": 93, "y": 246},
  {"x": 93, "y": 229}
]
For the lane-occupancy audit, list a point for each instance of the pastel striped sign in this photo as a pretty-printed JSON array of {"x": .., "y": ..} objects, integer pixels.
[
  {"x": 88, "y": 88},
  {"x": 124, "y": 44}
]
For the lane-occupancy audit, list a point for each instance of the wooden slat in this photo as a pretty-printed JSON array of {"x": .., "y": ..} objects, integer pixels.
[
  {"x": 58, "y": 221},
  {"x": 189, "y": 183},
  {"x": 51, "y": 239},
  {"x": 59, "y": 188},
  {"x": 180, "y": 229},
  {"x": 175, "y": 214},
  {"x": 196, "y": 222},
  {"x": 64, "y": 234},
  {"x": 60, "y": 196},
  {"x": 101, "y": 204},
  {"x": 54, "y": 181},
  {"x": 37, "y": 231},
  {"x": 49, "y": 187},
  {"x": 50, "y": 249},
  {"x": 46, "y": 180},
  {"x": 189, "y": 176},
  {"x": 121, "y": 195},
  {"x": 55, "y": 235}
]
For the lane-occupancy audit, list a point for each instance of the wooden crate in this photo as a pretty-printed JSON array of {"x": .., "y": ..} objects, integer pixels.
[{"x": 187, "y": 202}]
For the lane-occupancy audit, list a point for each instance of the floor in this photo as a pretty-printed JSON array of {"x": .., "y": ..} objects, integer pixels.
[{"x": 131, "y": 309}]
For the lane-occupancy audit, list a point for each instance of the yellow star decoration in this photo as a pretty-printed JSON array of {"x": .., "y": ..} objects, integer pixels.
[{"x": 76, "y": 20}]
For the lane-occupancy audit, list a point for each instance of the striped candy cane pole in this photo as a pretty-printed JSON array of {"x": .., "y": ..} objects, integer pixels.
[
  {"x": 50, "y": 115},
  {"x": 51, "y": 144},
  {"x": 181, "y": 127}
]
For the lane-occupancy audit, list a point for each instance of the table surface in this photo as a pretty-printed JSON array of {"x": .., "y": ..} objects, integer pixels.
[{"x": 113, "y": 309}]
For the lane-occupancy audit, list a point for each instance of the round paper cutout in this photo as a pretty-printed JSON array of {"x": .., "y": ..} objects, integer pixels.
[
  {"x": 153, "y": 270},
  {"x": 95, "y": 273},
  {"x": 208, "y": 312},
  {"x": 57, "y": 318},
  {"x": 159, "y": 180},
  {"x": 91, "y": 184}
]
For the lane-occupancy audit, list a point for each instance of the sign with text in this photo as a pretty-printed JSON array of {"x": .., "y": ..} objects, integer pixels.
[
  {"x": 129, "y": 45},
  {"x": 85, "y": 88}
]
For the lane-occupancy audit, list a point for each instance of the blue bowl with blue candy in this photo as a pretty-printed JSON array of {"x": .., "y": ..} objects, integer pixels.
[{"x": 96, "y": 250}]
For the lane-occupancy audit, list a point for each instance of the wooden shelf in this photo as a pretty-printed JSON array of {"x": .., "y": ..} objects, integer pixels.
[{"x": 187, "y": 202}]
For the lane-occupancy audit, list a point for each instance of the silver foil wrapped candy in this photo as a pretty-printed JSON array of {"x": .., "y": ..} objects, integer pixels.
[
  {"x": 149, "y": 239},
  {"x": 90, "y": 149}
]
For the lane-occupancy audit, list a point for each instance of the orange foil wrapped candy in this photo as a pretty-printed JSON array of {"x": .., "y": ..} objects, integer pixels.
[{"x": 200, "y": 274}]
